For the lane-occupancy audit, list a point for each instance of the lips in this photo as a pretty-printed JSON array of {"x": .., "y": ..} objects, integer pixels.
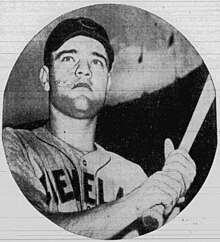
[{"x": 85, "y": 85}]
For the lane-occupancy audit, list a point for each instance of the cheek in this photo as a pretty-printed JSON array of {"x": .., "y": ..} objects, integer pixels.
[
  {"x": 63, "y": 73},
  {"x": 62, "y": 76},
  {"x": 99, "y": 89},
  {"x": 100, "y": 79}
]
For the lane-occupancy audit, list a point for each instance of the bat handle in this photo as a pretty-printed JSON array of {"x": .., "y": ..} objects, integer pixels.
[{"x": 153, "y": 218}]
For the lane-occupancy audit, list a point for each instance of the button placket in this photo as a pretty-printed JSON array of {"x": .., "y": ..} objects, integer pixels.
[
  {"x": 84, "y": 165},
  {"x": 84, "y": 162}
]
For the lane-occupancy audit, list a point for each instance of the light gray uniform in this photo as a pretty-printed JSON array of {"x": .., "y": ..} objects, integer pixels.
[{"x": 56, "y": 177}]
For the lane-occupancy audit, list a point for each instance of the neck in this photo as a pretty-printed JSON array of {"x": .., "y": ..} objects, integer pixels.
[{"x": 80, "y": 133}]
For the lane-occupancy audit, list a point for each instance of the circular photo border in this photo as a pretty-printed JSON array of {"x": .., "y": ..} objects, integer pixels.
[{"x": 146, "y": 115}]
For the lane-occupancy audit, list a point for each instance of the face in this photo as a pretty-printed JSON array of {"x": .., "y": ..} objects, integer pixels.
[{"x": 78, "y": 79}]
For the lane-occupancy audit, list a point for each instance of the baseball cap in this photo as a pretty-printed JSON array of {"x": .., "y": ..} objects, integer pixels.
[{"x": 70, "y": 28}]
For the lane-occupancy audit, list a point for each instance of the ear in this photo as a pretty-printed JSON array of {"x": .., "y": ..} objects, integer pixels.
[
  {"x": 109, "y": 81},
  {"x": 44, "y": 78}
]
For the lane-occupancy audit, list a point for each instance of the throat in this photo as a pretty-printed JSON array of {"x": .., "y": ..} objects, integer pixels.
[
  {"x": 81, "y": 140},
  {"x": 79, "y": 133}
]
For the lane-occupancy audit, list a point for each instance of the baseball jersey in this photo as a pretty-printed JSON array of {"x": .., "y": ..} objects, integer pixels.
[{"x": 56, "y": 177}]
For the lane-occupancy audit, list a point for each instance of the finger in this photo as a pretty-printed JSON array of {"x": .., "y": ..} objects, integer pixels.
[
  {"x": 157, "y": 196},
  {"x": 178, "y": 176},
  {"x": 164, "y": 192},
  {"x": 161, "y": 189},
  {"x": 168, "y": 147},
  {"x": 173, "y": 214},
  {"x": 181, "y": 174},
  {"x": 183, "y": 153},
  {"x": 188, "y": 174},
  {"x": 179, "y": 162},
  {"x": 167, "y": 182},
  {"x": 180, "y": 166},
  {"x": 181, "y": 200}
]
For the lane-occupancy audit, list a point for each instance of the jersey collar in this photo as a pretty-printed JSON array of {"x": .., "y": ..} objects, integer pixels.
[{"x": 95, "y": 159}]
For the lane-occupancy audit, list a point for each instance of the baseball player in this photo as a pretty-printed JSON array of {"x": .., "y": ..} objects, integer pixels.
[{"x": 62, "y": 171}]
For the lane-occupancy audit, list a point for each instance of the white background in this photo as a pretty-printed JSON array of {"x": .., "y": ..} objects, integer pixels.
[{"x": 199, "y": 22}]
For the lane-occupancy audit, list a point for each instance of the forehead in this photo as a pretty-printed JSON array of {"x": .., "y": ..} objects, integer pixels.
[{"x": 83, "y": 44}]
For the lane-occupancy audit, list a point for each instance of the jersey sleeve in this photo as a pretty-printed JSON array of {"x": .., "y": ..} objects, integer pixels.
[
  {"x": 126, "y": 173},
  {"x": 136, "y": 176},
  {"x": 22, "y": 170}
]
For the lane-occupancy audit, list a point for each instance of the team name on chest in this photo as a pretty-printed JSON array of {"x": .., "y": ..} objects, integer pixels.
[{"x": 64, "y": 185}]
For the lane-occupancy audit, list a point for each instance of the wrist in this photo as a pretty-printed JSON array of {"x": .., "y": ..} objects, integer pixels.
[{"x": 137, "y": 203}]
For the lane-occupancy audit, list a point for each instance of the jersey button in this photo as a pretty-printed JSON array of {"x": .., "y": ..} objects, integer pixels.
[{"x": 84, "y": 162}]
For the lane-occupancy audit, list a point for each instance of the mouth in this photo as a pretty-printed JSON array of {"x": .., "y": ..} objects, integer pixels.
[{"x": 84, "y": 85}]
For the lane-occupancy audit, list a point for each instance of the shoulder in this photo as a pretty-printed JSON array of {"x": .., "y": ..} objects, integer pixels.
[
  {"x": 125, "y": 173},
  {"x": 18, "y": 138},
  {"x": 121, "y": 165},
  {"x": 13, "y": 135},
  {"x": 128, "y": 166},
  {"x": 14, "y": 147},
  {"x": 115, "y": 158},
  {"x": 8, "y": 131}
]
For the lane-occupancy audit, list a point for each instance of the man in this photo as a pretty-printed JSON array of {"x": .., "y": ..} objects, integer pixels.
[{"x": 62, "y": 171}]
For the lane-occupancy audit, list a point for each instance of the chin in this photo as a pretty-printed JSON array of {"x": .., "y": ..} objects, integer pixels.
[
  {"x": 89, "y": 113},
  {"x": 82, "y": 103},
  {"x": 78, "y": 108}
]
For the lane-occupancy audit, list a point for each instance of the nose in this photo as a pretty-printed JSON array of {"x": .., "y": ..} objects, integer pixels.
[{"x": 83, "y": 69}]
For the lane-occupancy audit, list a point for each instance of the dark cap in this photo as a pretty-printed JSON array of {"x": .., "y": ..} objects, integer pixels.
[{"x": 70, "y": 28}]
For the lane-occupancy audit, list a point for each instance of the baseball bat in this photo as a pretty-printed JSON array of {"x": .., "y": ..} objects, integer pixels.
[{"x": 153, "y": 218}]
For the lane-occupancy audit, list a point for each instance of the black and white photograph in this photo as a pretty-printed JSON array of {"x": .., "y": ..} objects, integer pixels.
[{"x": 109, "y": 122}]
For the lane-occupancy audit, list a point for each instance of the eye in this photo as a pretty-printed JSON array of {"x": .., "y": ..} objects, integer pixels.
[
  {"x": 67, "y": 59},
  {"x": 97, "y": 62}
]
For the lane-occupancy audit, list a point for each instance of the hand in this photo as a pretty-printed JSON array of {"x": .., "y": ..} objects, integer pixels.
[
  {"x": 167, "y": 187},
  {"x": 159, "y": 189},
  {"x": 175, "y": 211},
  {"x": 179, "y": 165},
  {"x": 167, "y": 191}
]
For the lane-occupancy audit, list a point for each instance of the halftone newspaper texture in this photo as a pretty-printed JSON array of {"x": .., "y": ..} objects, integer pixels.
[{"x": 167, "y": 56}]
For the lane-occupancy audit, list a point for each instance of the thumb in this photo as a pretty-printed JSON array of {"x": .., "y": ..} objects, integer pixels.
[
  {"x": 168, "y": 147},
  {"x": 173, "y": 214}
]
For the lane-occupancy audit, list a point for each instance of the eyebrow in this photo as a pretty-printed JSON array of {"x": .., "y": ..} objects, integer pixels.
[
  {"x": 101, "y": 56},
  {"x": 59, "y": 54}
]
